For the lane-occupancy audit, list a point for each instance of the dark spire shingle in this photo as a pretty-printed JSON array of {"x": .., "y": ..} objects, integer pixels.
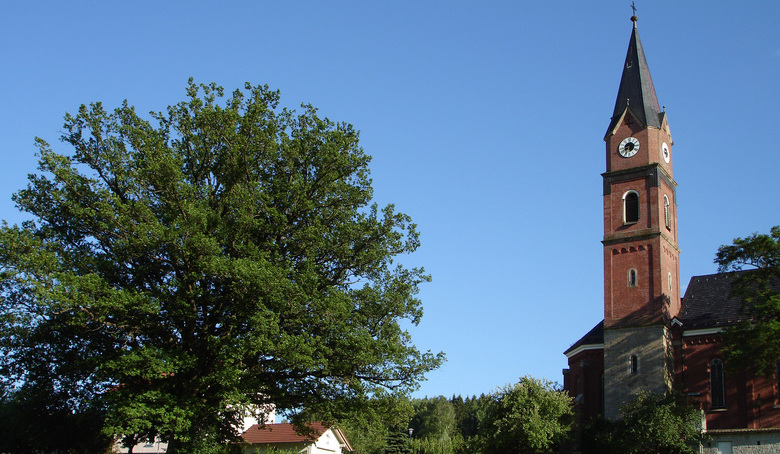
[{"x": 636, "y": 90}]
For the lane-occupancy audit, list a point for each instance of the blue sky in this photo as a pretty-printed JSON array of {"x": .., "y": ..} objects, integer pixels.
[{"x": 485, "y": 121}]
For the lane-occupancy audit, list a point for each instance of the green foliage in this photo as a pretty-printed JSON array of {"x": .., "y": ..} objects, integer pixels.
[
  {"x": 434, "y": 418},
  {"x": 367, "y": 424},
  {"x": 754, "y": 343},
  {"x": 367, "y": 436},
  {"x": 530, "y": 416},
  {"x": 650, "y": 424},
  {"x": 223, "y": 256},
  {"x": 449, "y": 445},
  {"x": 397, "y": 442},
  {"x": 467, "y": 414},
  {"x": 602, "y": 436},
  {"x": 37, "y": 420},
  {"x": 438, "y": 424}
]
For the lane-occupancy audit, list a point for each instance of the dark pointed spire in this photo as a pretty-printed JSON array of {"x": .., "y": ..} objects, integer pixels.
[{"x": 636, "y": 90}]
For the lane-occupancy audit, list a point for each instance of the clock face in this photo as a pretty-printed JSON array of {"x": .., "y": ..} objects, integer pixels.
[
  {"x": 665, "y": 152},
  {"x": 628, "y": 147}
]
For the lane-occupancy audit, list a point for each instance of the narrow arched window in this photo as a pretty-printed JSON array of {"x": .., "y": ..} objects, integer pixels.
[
  {"x": 667, "y": 219},
  {"x": 633, "y": 365},
  {"x": 717, "y": 385},
  {"x": 777, "y": 379},
  {"x": 632, "y": 279},
  {"x": 630, "y": 207}
]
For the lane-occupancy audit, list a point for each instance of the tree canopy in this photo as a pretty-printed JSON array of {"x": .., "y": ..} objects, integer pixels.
[
  {"x": 530, "y": 416},
  {"x": 433, "y": 418},
  {"x": 220, "y": 256},
  {"x": 754, "y": 343},
  {"x": 651, "y": 423}
]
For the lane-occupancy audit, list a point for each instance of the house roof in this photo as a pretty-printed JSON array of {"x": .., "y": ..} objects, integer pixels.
[
  {"x": 636, "y": 93},
  {"x": 282, "y": 433},
  {"x": 286, "y": 433},
  {"x": 708, "y": 302}
]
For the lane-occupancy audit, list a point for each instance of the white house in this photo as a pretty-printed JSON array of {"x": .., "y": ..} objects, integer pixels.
[{"x": 323, "y": 439}]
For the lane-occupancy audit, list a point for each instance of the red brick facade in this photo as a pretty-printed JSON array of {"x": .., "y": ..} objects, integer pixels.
[
  {"x": 584, "y": 380},
  {"x": 751, "y": 402}
]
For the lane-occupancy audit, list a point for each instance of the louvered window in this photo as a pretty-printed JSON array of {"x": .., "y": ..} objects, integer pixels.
[
  {"x": 631, "y": 207},
  {"x": 667, "y": 219}
]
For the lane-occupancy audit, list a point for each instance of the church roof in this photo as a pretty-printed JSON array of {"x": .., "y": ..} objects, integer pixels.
[
  {"x": 708, "y": 302},
  {"x": 594, "y": 337},
  {"x": 636, "y": 92}
]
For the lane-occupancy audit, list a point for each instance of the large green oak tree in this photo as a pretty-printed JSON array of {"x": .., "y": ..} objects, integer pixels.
[{"x": 220, "y": 256}]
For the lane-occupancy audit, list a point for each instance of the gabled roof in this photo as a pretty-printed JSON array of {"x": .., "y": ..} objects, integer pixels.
[
  {"x": 284, "y": 433},
  {"x": 708, "y": 302},
  {"x": 636, "y": 92},
  {"x": 594, "y": 337}
]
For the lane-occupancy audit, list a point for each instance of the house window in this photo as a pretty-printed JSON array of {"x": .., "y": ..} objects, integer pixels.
[
  {"x": 717, "y": 385},
  {"x": 633, "y": 365},
  {"x": 630, "y": 207},
  {"x": 632, "y": 279},
  {"x": 667, "y": 219}
]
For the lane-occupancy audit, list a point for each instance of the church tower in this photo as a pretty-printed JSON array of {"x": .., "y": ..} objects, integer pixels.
[{"x": 641, "y": 266}]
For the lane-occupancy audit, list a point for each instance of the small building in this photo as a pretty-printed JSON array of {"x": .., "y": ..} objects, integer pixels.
[{"x": 323, "y": 439}]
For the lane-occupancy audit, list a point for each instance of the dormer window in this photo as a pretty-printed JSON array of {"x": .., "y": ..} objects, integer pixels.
[{"x": 631, "y": 207}]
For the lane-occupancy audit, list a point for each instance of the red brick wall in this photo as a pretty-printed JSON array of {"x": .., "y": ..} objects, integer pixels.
[
  {"x": 587, "y": 369},
  {"x": 621, "y": 301},
  {"x": 650, "y": 141},
  {"x": 744, "y": 408}
]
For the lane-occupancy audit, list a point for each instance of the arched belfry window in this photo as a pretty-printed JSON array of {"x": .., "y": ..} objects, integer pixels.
[
  {"x": 630, "y": 207},
  {"x": 717, "y": 385},
  {"x": 632, "y": 278},
  {"x": 667, "y": 219}
]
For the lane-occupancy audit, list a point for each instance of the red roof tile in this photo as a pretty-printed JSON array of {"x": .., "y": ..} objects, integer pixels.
[{"x": 282, "y": 433}]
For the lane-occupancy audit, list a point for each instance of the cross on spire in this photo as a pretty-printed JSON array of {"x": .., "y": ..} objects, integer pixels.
[{"x": 633, "y": 8}]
